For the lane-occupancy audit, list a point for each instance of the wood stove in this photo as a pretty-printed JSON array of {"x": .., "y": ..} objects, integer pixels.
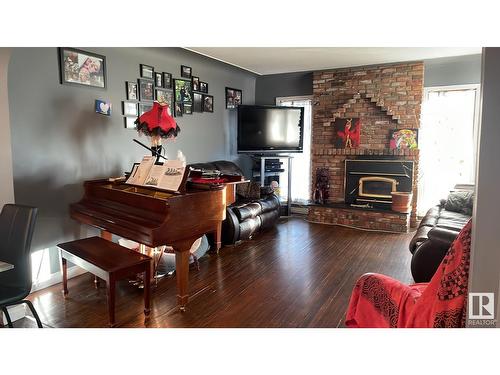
[{"x": 370, "y": 182}]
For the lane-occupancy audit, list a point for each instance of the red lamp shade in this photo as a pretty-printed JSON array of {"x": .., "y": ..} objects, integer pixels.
[{"x": 157, "y": 122}]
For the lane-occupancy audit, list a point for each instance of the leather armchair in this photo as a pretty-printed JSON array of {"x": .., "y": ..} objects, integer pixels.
[{"x": 246, "y": 216}]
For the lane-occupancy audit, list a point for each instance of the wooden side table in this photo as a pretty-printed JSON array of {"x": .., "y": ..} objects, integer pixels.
[{"x": 110, "y": 262}]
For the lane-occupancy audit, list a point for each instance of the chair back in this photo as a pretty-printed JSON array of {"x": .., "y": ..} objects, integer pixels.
[{"x": 17, "y": 223}]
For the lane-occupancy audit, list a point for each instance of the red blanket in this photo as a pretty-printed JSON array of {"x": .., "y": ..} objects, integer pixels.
[{"x": 380, "y": 301}]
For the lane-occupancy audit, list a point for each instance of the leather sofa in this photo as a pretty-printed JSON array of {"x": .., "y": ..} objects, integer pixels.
[
  {"x": 249, "y": 214},
  {"x": 437, "y": 230}
]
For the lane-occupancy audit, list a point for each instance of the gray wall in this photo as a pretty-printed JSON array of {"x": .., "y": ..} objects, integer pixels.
[
  {"x": 485, "y": 257},
  {"x": 269, "y": 87},
  {"x": 6, "y": 177},
  {"x": 448, "y": 71},
  {"x": 58, "y": 141}
]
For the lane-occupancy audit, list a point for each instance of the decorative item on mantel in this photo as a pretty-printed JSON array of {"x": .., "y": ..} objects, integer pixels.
[
  {"x": 347, "y": 132},
  {"x": 157, "y": 124}
]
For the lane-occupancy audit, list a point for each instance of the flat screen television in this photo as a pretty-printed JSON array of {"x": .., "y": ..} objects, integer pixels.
[{"x": 269, "y": 129}]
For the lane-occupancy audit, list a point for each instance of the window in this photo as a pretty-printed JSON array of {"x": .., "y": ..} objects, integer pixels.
[
  {"x": 301, "y": 163},
  {"x": 446, "y": 138}
]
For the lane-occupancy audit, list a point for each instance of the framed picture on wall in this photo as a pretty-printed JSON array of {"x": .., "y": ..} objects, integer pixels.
[
  {"x": 164, "y": 96},
  {"x": 82, "y": 68},
  {"x": 147, "y": 71},
  {"x": 188, "y": 108},
  {"x": 183, "y": 92},
  {"x": 146, "y": 89},
  {"x": 129, "y": 108},
  {"x": 208, "y": 103},
  {"x": 167, "y": 80},
  {"x": 158, "y": 79},
  {"x": 403, "y": 139},
  {"x": 197, "y": 102},
  {"x": 234, "y": 97},
  {"x": 144, "y": 107},
  {"x": 196, "y": 83},
  {"x": 204, "y": 87},
  {"x": 129, "y": 122},
  {"x": 132, "y": 91},
  {"x": 186, "y": 71}
]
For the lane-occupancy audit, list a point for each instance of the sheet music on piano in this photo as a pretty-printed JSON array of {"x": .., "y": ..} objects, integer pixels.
[{"x": 168, "y": 176}]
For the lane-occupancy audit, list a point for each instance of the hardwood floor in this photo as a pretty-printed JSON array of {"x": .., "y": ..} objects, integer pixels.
[{"x": 298, "y": 274}]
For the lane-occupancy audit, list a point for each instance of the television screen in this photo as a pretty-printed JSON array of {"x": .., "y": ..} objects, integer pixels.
[{"x": 270, "y": 129}]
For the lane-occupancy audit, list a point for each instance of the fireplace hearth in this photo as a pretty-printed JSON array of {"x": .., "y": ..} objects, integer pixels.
[{"x": 369, "y": 183}]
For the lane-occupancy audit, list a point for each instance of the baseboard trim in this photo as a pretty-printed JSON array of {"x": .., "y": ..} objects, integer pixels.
[
  {"x": 16, "y": 312},
  {"x": 56, "y": 278}
]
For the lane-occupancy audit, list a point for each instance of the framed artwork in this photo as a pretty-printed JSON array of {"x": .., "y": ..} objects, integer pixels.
[
  {"x": 158, "y": 79},
  {"x": 188, "y": 108},
  {"x": 186, "y": 71},
  {"x": 234, "y": 97},
  {"x": 129, "y": 108},
  {"x": 103, "y": 107},
  {"x": 196, "y": 83},
  {"x": 197, "y": 102},
  {"x": 178, "y": 109},
  {"x": 81, "y": 68},
  {"x": 164, "y": 96},
  {"x": 183, "y": 91},
  {"x": 129, "y": 122},
  {"x": 403, "y": 139},
  {"x": 204, "y": 87},
  {"x": 346, "y": 132},
  {"x": 147, "y": 71},
  {"x": 144, "y": 107},
  {"x": 132, "y": 91},
  {"x": 146, "y": 89},
  {"x": 208, "y": 103},
  {"x": 167, "y": 80}
]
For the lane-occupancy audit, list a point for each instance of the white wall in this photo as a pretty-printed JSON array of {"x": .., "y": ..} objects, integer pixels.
[
  {"x": 485, "y": 257},
  {"x": 6, "y": 180}
]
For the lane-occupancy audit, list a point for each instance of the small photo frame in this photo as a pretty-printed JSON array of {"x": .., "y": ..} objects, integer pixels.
[
  {"x": 132, "y": 93},
  {"x": 146, "y": 89},
  {"x": 196, "y": 83},
  {"x": 188, "y": 109},
  {"x": 178, "y": 109},
  {"x": 183, "y": 91},
  {"x": 197, "y": 102},
  {"x": 186, "y": 71},
  {"x": 144, "y": 107},
  {"x": 167, "y": 80},
  {"x": 103, "y": 107},
  {"x": 164, "y": 96},
  {"x": 234, "y": 97},
  {"x": 129, "y": 122},
  {"x": 208, "y": 103},
  {"x": 147, "y": 71},
  {"x": 129, "y": 108},
  {"x": 203, "y": 87},
  {"x": 158, "y": 79}
]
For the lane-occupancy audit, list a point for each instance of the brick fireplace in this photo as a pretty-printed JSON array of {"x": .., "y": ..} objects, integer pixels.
[{"x": 385, "y": 98}]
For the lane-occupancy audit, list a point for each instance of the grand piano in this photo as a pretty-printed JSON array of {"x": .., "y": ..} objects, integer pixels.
[{"x": 155, "y": 218}]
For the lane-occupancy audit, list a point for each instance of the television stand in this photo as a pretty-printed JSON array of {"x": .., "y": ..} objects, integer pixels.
[{"x": 267, "y": 168}]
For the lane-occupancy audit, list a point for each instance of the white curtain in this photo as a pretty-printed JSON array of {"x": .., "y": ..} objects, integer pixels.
[
  {"x": 447, "y": 143},
  {"x": 301, "y": 163}
]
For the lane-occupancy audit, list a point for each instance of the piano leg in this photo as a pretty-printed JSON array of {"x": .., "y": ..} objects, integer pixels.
[
  {"x": 218, "y": 237},
  {"x": 182, "y": 255}
]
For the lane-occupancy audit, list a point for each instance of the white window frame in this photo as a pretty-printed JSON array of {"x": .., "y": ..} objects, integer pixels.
[{"x": 477, "y": 108}]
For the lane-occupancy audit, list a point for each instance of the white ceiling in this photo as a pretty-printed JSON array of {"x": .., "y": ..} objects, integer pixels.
[{"x": 273, "y": 60}]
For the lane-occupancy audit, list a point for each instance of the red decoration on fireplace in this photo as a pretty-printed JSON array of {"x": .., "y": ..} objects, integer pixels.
[{"x": 347, "y": 132}]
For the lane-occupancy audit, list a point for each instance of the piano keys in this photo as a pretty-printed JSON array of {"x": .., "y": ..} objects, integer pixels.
[{"x": 154, "y": 218}]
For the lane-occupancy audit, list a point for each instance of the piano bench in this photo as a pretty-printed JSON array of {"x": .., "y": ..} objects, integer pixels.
[{"x": 108, "y": 261}]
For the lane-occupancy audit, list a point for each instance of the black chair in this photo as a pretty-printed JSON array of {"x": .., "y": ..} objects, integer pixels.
[{"x": 16, "y": 231}]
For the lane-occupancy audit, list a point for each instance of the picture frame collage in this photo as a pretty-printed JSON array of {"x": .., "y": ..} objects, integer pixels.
[{"x": 184, "y": 95}]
